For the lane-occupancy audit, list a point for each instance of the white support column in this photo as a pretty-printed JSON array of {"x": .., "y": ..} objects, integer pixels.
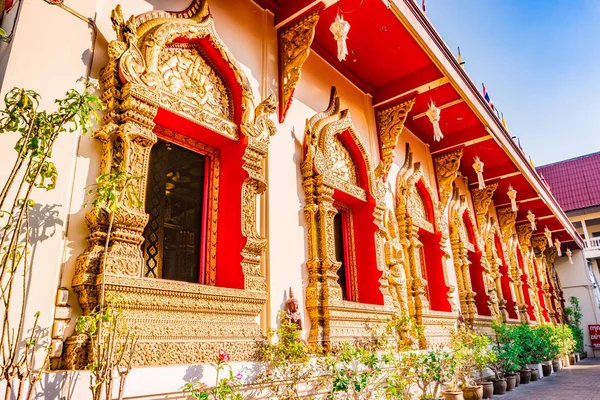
[{"x": 585, "y": 231}]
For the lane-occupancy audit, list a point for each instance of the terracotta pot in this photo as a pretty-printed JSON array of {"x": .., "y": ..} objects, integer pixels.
[
  {"x": 572, "y": 360},
  {"x": 518, "y": 380},
  {"x": 448, "y": 395},
  {"x": 499, "y": 386},
  {"x": 525, "y": 376},
  {"x": 547, "y": 369},
  {"x": 510, "y": 382},
  {"x": 556, "y": 365},
  {"x": 535, "y": 375},
  {"x": 488, "y": 389},
  {"x": 473, "y": 393}
]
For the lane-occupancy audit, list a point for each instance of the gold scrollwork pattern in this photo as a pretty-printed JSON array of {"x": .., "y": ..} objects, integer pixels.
[
  {"x": 446, "y": 168},
  {"x": 149, "y": 68},
  {"x": 294, "y": 42},
  {"x": 390, "y": 122},
  {"x": 334, "y": 319}
]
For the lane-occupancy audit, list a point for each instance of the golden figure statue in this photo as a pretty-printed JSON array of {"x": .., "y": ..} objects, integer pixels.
[{"x": 394, "y": 258}]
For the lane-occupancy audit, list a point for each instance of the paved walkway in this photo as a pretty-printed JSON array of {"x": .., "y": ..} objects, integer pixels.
[{"x": 578, "y": 382}]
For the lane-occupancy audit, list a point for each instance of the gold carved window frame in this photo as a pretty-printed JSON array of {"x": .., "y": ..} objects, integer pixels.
[
  {"x": 175, "y": 322},
  {"x": 333, "y": 319},
  {"x": 213, "y": 155},
  {"x": 408, "y": 178},
  {"x": 351, "y": 250}
]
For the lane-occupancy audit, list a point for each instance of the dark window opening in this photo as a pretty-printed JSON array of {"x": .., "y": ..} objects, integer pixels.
[
  {"x": 342, "y": 248},
  {"x": 176, "y": 202}
]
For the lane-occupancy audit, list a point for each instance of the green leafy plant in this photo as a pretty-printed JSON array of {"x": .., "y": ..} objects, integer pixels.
[
  {"x": 355, "y": 373},
  {"x": 471, "y": 354},
  {"x": 288, "y": 366},
  {"x": 227, "y": 388},
  {"x": 574, "y": 316},
  {"x": 509, "y": 353},
  {"x": 36, "y": 133},
  {"x": 406, "y": 330},
  {"x": 548, "y": 334},
  {"x": 113, "y": 346},
  {"x": 430, "y": 370}
]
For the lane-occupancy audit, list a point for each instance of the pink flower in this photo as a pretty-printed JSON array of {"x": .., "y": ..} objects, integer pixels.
[
  {"x": 224, "y": 357},
  {"x": 239, "y": 376}
]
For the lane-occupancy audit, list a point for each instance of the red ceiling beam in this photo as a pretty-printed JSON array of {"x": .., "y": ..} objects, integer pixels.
[
  {"x": 501, "y": 172},
  {"x": 425, "y": 79},
  {"x": 466, "y": 137},
  {"x": 290, "y": 9}
]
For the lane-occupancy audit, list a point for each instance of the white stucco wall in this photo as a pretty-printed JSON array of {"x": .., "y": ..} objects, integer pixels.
[{"x": 575, "y": 282}]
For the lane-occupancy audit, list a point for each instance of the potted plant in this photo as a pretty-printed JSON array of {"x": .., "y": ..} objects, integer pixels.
[
  {"x": 430, "y": 369},
  {"x": 509, "y": 356},
  {"x": 472, "y": 355},
  {"x": 550, "y": 349}
]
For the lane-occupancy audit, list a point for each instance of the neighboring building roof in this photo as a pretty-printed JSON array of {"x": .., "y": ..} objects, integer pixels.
[{"x": 575, "y": 183}]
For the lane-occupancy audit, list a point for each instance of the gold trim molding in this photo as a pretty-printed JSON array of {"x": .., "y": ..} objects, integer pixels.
[{"x": 176, "y": 322}]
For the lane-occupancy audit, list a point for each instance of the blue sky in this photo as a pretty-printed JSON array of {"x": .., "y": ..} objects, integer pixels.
[{"x": 540, "y": 62}]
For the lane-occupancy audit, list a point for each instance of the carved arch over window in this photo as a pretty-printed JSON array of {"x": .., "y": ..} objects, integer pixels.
[
  {"x": 423, "y": 233},
  {"x": 169, "y": 75},
  {"x": 337, "y": 168}
]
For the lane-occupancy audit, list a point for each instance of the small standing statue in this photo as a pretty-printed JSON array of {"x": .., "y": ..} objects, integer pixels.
[
  {"x": 394, "y": 258},
  {"x": 292, "y": 314}
]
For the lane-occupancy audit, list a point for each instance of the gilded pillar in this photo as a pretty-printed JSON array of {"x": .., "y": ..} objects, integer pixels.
[{"x": 460, "y": 248}]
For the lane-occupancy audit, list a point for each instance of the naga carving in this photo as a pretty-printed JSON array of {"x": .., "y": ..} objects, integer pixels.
[
  {"x": 446, "y": 168},
  {"x": 333, "y": 318},
  {"x": 294, "y": 42},
  {"x": 390, "y": 122},
  {"x": 159, "y": 61},
  {"x": 506, "y": 219},
  {"x": 482, "y": 198}
]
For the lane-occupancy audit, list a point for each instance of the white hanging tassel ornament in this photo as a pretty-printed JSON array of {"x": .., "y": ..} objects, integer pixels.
[
  {"x": 434, "y": 117},
  {"x": 340, "y": 29},
  {"x": 569, "y": 254},
  {"x": 557, "y": 245},
  {"x": 478, "y": 167},
  {"x": 548, "y": 235},
  {"x": 531, "y": 218},
  {"x": 512, "y": 195}
]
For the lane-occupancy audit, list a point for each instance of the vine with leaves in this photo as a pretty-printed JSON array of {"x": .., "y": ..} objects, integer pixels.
[{"x": 37, "y": 131}]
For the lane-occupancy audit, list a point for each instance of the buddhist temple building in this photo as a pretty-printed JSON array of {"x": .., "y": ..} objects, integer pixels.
[
  {"x": 334, "y": 147},
  {"x": 575, "y": 184}
]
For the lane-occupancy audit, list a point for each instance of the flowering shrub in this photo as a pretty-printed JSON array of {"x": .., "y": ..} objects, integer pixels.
[
  {"x": 227, "y": 388},
  {"x": 288, "y": 368},
  {"x": 355, "y": 373}
]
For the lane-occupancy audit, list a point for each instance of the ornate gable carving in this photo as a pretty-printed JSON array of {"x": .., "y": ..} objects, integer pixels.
[
  {"x": 294, "y": 42},
  {"x": 482, "y": 199},
  {"x": 524, "y": 233},
  {"x": 506, "y": 219},
  {"x": 539, "y": 244},
  {"x": 446, "y": 168},
  {"x": 390, "y": 122}
]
